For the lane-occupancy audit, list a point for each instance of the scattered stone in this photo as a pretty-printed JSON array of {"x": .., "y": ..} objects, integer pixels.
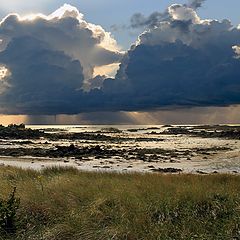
[
  {"x": 111, "y": 130},
  {"x": 207, "y": 131},
  {"x": 132, "y": 130},
  {"x": 167, "y": 126},
  {"x": 167, "y": 170},
  {"x": 201, "y": 172},
  {"x": 173, "y": 161},
  {"x": 14, "y": 131},
  {"x": 151, "y": 166},
  {"x": 106, "y": 167},
  {"x": 153, "y": 128}
]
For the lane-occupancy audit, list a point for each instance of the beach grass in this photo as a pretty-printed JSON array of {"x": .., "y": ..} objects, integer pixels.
[{"x": 64, "y": 204}]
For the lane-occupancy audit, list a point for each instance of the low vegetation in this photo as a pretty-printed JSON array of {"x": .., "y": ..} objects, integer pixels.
[{"x": 66, "y": 204}]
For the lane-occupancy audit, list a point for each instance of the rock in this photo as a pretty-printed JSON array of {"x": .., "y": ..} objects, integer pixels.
[
  {"x": 201, "y": 172},
  {"x": 105, "y": 167},
  {"x": 19, "y": 132},
  {"x": 167, "y": 170},
  {"x": 151, "y": 167}
]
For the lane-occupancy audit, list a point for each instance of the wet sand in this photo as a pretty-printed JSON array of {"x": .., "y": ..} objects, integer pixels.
[{"x": 159, "y": 149}]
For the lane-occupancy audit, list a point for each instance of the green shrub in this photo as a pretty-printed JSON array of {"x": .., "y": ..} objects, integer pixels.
[{"x": 8, "y": 210}]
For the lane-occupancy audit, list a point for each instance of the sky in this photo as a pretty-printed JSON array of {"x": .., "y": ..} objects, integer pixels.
[
  {"x": 198, "y": 115},
  {"x": 108, "y": 12},
  {"x": 104, "y": 61}
]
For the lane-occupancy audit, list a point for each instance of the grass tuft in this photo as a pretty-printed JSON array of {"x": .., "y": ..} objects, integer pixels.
[{"x": 63, "y": 203}]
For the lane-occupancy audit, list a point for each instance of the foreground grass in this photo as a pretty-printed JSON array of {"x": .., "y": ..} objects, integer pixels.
[{"x": 67, "y": 204}]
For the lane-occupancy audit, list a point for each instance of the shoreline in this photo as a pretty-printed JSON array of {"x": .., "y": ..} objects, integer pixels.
[
  {"x": 174, "y": 149},
  {"x": 39, "y": 164}
]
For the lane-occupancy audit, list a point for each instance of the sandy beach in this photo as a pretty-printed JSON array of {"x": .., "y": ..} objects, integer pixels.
[{"x": 162, "y": 149}]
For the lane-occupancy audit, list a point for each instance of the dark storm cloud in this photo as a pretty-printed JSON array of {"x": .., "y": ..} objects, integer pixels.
[
  {"x": 65, "y": 30},
  {"x": 195, "y": 4},
  {"x": 40, "y": 77},
  {"x": 181, "y": 76},
  {"x": 181, "y": 61},
  {"x": 50, "y": 59},
  {"x": 138, "y": 20}
]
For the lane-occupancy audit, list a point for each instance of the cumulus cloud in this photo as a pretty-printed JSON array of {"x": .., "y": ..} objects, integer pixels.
[
  {"x": 41, "y": 78},
  {"x": 4, "y": 73},
  {"x": 183, "y": 60},
  {"x": 64, "y": 30},
  {"x": 195, "y": 4},
  {"x": 179, "y": 60},
  {"x": 138, "y": 20},
  {"x": 175, "y": 11},
  {"x": 50, "y": 59},
  {"x": 237, "y": 51}
]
